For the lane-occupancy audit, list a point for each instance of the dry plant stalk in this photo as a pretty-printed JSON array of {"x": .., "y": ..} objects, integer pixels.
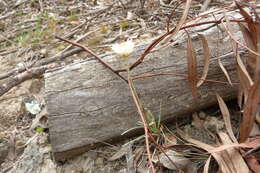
[{"x": 250, "y": 88}]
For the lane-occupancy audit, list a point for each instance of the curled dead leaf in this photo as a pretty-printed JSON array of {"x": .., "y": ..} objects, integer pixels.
[
  {"x": 192, "y": 67},
  {"x": 206, "y": 59}
]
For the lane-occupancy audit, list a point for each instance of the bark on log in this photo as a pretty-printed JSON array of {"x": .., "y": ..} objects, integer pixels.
[{"x": 88, "y": 104}]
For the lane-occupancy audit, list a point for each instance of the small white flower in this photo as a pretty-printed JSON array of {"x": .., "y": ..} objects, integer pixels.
[{"x": 124, "y": 49}]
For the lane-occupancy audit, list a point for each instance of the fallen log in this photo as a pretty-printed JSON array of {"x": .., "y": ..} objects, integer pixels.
[{"x": 89, "y": 105}]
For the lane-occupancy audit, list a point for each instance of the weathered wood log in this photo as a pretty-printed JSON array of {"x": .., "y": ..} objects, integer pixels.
[{"x": 88, "y": 104}]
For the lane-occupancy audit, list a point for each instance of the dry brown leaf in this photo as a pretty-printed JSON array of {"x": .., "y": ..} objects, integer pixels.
[
  {"x": 253, "y": 142},
  {"x": 170, "y": 139},
  {"x": 206, "y": 59},
  {"x": 120, "y": 153},
  {"x": 236, "y": 160},
  {"x": 180, "y": 162},
  {"x": 232, "y": 37},
  {"x": 138, "y": 152},
  {"x": 192, "y": 68},
  {"x": 258, "y": 118},
  {"x": 250, "y": 110},
  {"x": 229, "y": 166},
  {"x": 250, "y": 144},
  {"x": 257, "y": 66},
  {"x": 181, "y": 21},
  {"x": 258, "y": 46},
  {"x": 183, "y": 17},
  {"x": 240, "y": 97},
  {"x": 250, "y": 22},
  {"x": 224, "y": 70},
  {"x": 200, "y": 144},
  {"x": 226, "y": 117},
  {"x": 244, "y": 77},
  {"x": 228, "y": 146},
  {"x": 255, "y": 129},
  {"x": 253, "y": 60},
  {"x": 252, "y": 38},
  {"x": 217, "y": 156},
  {"x": 247, "y": 37},
  {"x": 206, "y": 166},
  {"x": 253, "y": 164}
]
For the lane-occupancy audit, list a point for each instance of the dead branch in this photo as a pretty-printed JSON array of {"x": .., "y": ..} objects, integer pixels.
[
  {"x": 41, "y": 63},
  {"x": 20, "y": 78}
]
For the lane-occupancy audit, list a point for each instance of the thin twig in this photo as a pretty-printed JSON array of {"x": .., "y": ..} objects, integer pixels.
[
  {"x": 77, "y": 40},
  {"x": 143, "y": 118},
  {"x": 8, "y": 52},
  {"x": 93, "y": 54}
]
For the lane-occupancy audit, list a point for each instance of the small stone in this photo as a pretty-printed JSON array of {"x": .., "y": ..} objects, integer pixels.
[
  {"x": 213, "y": 124},
  {"x": 202, "y": 115}
]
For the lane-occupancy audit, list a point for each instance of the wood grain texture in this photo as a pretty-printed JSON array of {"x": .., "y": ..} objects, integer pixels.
[{"x": 88, "y": 104}]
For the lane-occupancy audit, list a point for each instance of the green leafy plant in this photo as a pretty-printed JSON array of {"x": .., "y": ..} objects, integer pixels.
[
  {"x": 39, "y": 130},
  {"x": 154, "y": 124}
]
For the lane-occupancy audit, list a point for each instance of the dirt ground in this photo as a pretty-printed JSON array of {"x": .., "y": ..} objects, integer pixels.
[{"x": 27, "y": 30}]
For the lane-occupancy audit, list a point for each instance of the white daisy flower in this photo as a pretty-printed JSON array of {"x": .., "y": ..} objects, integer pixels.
[{"x": 124, "y": 49}]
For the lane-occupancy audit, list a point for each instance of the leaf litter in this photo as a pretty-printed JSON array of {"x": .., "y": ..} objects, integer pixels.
[{"x": 37, "y": 33}]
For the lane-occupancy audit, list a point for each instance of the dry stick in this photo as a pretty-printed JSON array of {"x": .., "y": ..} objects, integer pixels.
[
  {"x": 143, "y": 118},
  {"x": 8, "y": 40},
  {"x": 171, "y": 15},
  {"x": 174, "y": 31},
  {"x": 73, "y": 31},
  {"x": 93, "y": 54},
  {"x": 41, "y": 62},
  {"x": 8, "y": 52},
  {"x": 20, "y": 78},
  {"x": 77, "y": 40},
  {"x": 7, "y": 15}
]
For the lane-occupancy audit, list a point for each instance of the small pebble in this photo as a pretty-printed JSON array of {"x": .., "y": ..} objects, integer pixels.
[{"x": 202, "y": 115}]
